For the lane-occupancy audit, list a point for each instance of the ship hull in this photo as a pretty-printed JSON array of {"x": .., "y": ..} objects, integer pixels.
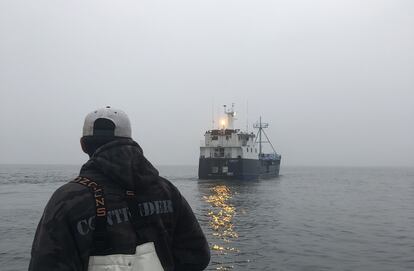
[{"x": 238, "y": 169}]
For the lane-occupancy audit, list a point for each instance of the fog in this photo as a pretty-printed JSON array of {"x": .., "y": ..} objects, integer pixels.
[{"x": 334, "y": 79}]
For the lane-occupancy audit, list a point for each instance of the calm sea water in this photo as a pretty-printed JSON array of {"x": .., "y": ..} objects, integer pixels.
[{"x": 307, "y": 219}]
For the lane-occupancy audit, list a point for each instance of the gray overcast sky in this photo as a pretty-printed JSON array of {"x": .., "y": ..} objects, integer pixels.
[{"x": 335, "y": 78}]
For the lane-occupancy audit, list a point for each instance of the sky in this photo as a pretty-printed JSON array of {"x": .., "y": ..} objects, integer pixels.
[{"x": 333, "y": 78}]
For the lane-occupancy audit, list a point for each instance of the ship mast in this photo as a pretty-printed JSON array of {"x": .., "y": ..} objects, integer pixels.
[
  {"x": 261, "y": 125},
  {"x": 260, "y": 136},
  {"x": 231, "y": 114}
]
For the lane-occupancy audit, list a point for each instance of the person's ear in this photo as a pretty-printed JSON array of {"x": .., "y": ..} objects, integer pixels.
[{"x": 83, "y": 145}]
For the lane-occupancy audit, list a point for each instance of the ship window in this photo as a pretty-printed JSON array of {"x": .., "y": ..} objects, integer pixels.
[
  {"x": 219, "y": 152},
  {"x": 214, "y": 138},
  {"x": 247, "y": 149}
]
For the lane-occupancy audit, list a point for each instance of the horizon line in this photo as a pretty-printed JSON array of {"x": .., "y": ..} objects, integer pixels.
[{"x": 195, "y": 165}]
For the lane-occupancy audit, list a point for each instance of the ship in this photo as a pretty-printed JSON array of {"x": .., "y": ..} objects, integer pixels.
[{"x": 229, "y": 153}]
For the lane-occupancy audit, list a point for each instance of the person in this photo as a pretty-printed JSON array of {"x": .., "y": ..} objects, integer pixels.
[{"x": 117, "y": 204}]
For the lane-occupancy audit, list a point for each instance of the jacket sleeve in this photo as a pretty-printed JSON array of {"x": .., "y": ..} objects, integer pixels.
[
  {"x": 54, "y": 247},
  {"x": 190, "y": 247}
]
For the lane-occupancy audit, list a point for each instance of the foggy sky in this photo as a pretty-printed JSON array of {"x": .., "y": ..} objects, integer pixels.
[{"x": 335, "y": 79}]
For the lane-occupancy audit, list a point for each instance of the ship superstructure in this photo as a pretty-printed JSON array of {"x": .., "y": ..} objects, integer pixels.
[{"x": 231, "y": 153}]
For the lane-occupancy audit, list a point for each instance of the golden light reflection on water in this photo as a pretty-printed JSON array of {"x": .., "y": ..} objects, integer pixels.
[{"x": 221, "y": 220}]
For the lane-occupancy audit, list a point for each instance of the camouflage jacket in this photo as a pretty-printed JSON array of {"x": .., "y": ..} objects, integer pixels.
[{"x": 64, "y": 236}]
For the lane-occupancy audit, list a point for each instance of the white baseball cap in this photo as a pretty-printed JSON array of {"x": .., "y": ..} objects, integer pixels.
[{"x": 116, "y": 123}]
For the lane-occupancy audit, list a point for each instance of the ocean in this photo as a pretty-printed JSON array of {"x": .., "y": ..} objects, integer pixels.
[{"x": 310, "y": 218}]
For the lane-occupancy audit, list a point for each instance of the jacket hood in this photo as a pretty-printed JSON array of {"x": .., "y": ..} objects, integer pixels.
[{"x": 122, "y": 161}]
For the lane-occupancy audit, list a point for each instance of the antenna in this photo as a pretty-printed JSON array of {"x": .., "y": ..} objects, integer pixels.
[
  {"x": 247, "y": 116},
  {"x": 212, "y": 114},
  {"x": 218, "y": 115}
]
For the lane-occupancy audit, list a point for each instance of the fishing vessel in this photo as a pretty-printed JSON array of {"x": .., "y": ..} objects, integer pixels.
[{"x": 229, "y": 153}]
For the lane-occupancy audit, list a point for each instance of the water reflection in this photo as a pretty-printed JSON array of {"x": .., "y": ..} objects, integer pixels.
[
  {"x": 221, "y": 213},
  {"x": 229, "y": 218}
]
